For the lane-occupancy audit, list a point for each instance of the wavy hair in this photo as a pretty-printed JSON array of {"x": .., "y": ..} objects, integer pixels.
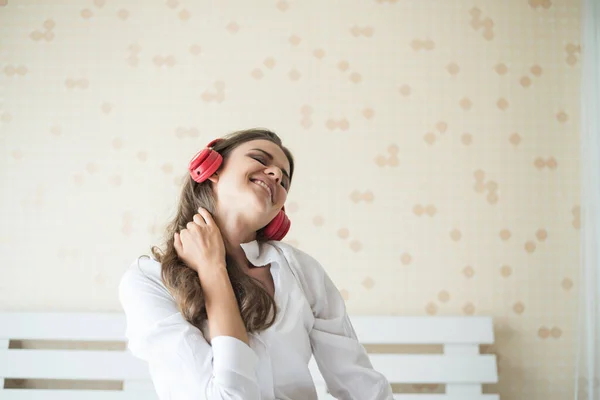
[{"x": 257, "y": 307}]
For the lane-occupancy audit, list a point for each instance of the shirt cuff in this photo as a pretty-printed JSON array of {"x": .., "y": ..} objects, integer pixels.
[{"x": 232, "y": 355}]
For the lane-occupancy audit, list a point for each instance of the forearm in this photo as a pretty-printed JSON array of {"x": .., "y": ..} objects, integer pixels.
[{"x": 224, "y": 318}]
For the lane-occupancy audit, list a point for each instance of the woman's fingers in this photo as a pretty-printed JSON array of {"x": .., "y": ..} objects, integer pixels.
[
  {"x": 190, "y": 226},
  {"x": 200, "y": 244},
  {"x": 177, "y": 243},
  {"x": 205, "y": 215},
  {"x": 199, "y": 219}
]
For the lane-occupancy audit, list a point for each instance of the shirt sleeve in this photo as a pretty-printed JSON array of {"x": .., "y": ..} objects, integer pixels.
[
  {"x": 182, "y": 364},
  {"x": 341, "y": 358}
]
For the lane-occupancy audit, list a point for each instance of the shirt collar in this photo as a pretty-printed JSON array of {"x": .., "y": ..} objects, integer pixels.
[{"x": 260, "y": 253}]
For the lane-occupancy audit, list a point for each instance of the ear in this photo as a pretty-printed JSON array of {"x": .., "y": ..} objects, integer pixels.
[{"x": 214, "y": 178}]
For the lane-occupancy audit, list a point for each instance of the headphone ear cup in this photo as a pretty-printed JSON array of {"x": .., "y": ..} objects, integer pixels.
[
  {"x": 204, "y": 164},
  {"x": 278, "y": 227}
]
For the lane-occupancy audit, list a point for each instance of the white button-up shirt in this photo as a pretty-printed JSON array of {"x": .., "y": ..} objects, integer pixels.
[{"x": 311, "y": 320}]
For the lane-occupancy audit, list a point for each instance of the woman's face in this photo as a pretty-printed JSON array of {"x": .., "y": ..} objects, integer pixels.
[{"x": 254, "y": 181}]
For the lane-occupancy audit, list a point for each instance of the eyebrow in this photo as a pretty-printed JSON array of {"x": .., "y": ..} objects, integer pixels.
[{"x": 283, "y": 171}]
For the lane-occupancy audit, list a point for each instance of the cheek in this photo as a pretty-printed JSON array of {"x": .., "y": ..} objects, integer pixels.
[
  {"x": 232, "y": 185},
  {"x": 283, "y": 195}
]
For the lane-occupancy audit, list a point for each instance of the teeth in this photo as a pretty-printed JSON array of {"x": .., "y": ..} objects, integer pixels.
[{"x": 261, "y": 183}]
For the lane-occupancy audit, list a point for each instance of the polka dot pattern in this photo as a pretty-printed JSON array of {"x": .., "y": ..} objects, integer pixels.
[{"x": 436, "y": 167}]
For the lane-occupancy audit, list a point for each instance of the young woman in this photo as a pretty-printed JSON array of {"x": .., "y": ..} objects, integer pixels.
[{"x": 227, "y": 310}]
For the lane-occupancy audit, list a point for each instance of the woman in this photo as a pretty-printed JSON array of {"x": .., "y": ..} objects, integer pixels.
[{"x": 228, "y": 311}]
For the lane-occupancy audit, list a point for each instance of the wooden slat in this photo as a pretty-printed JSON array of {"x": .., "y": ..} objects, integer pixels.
[
  {"x": 460, "y": 367},
  {"x": 24, "y": 394},
  {"x": 138, "y": 386},
  {"x": 71, "y": 364},
  {"x": 38, "y": 394},
  {"x": 444, "y": 397},
  {"x": 428, "y": 368},
  {"x": 63, "y": 326},
  {"x": 370, "y": 329},
  {"x": 437, "y": 396},
  {"x": 324, "y": 395},
  {"x": 463, "y": 389},
  {"x": 423, "y": 330}
]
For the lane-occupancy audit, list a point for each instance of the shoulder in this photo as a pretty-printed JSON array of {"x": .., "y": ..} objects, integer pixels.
[
  {"x": 319, "y": 290},
  {"x": 142, "y": 269},
  {"x": 307, "y": 269},
  {"x": 298, "y": 258},
  {"x": 142, "y": 278}
]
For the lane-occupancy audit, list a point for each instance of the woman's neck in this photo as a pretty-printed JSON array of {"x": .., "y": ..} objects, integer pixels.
[
  {"x": 234, "y": 232},
  {"x": 235, "y": 251}
]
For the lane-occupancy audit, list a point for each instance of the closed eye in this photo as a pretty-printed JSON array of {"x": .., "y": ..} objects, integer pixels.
[{"x": 260, "y": 160}]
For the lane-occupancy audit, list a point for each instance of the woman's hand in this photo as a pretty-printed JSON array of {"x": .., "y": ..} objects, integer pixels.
[{"x": 200, "y": 245}]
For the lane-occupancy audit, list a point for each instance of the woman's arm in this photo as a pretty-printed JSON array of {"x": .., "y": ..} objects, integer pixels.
[
  {"x": 224, "y": 318},
  {"x": 341, "y": 358},
  {"x": 200, "y": 245},
  {"x": 182, "y": 364}
]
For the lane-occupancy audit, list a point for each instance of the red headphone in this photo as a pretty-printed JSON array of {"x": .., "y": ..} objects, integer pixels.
[{"x": 207, "y": 161}]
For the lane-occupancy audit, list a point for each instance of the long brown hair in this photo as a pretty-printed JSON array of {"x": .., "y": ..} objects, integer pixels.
[{"x": 257, "y": 308}]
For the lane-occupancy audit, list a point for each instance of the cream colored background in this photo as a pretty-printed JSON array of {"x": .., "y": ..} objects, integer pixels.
[{"x": 436, "y": 145}]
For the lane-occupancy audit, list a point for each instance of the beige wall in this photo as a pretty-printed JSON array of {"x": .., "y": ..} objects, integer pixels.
[{"x": 436, "y": 146}]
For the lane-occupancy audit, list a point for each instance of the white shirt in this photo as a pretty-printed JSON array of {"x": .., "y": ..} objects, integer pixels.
[{"x": 311, "y": 320}]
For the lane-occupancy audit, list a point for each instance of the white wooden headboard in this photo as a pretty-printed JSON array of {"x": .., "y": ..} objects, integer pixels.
[{"x": 460, "y": 367}]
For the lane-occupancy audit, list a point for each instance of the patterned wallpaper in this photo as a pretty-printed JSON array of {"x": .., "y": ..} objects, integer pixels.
[{"x": 436, "y": 146}]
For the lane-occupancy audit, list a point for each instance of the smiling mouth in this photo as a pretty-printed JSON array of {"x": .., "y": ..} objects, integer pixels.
[{"x": 264, "y": 186}]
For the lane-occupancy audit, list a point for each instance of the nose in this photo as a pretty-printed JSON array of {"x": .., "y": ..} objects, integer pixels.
[{"x": 276, "y": 172}]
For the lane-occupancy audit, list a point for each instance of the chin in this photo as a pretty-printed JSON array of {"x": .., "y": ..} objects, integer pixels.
[{"x": 262, "y": 200}]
